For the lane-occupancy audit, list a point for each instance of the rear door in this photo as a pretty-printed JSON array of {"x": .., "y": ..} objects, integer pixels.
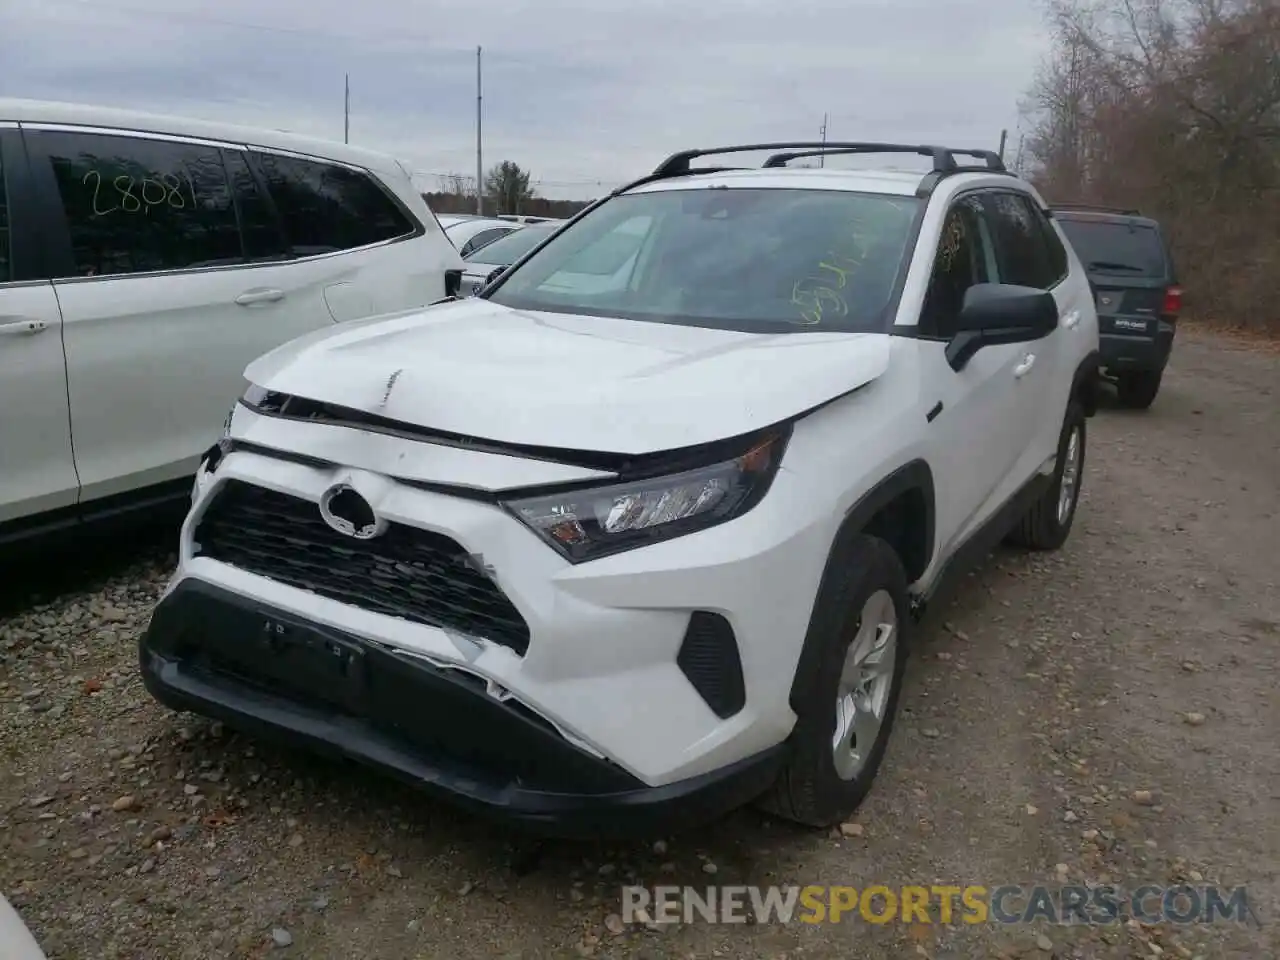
[
  {"x": 37, "y": 468},
  {"x": 1128, "y": 268},
  {"x": 165, "y": 298},
  {"x": 1025, "y": 257}
]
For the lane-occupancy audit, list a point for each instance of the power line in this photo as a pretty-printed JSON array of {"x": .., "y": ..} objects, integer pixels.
[{"x": 542, "y": 183}]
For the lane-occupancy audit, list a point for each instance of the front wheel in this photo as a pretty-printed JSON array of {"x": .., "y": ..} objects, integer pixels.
[
  {"x": 1048, "y": 523},
  {"x": 843, "y": 726}
]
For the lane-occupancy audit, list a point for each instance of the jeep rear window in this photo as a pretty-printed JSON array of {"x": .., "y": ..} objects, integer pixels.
[
  {"x": 749, "y": 259},
  {"x": 1116, "y": 249}
]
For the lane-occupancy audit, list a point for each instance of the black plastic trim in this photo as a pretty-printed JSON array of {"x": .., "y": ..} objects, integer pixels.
[
  {"x": 982, "y": 541},
  {"x": 710, "y": 661},
  {"x": 914, "y": 475},
  {"x": 944, "y": 158},
  {"x": 591, "y": 797},
  {"x": 148, "y": 505},
  {"x": 1086, "y": 383}
]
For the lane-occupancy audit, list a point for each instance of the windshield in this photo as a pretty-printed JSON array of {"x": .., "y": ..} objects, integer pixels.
[
  {"x": 756, "y": 260},
  {"x": 507, "y": 250},
  {"x": 1121, "y": 249}
]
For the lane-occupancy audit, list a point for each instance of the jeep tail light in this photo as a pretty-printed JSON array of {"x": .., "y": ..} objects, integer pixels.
[{"x": 1172, "y": 303}]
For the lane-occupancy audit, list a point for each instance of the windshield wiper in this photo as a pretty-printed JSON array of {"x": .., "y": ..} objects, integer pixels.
[{"x": 1108, "y": 265}]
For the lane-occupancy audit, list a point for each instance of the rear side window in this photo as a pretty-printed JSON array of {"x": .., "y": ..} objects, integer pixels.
[
  {"x": 5, "y": 270},
  {"x": 325, "y": 208},
  {"x": 1117, "y": 248},
  {"x": 137, "y": 206},
  {"x": 1023, "y": 253}
]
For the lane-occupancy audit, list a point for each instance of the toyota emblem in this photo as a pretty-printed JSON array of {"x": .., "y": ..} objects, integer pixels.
[{"x": 345, "y": 510}]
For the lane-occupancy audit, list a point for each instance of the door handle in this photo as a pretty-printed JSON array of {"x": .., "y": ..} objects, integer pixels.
[
  {"x": 1071, "y": 320},
  {"x": 22, "y": 326},
  {"x": 260, "y": 295},
  {"x": 1022, "y": 369}
]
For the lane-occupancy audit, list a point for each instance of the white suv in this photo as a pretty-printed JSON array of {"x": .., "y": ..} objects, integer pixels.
[
  {"x": 144, "y": 261},
  {"x": 602, "y": 559}
]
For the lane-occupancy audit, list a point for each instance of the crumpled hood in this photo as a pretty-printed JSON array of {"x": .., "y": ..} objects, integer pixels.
[{"x": 585, "y": 383}]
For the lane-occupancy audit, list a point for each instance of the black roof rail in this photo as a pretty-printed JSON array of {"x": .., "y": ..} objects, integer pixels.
[
  {"x": 943, "y": 157},
  {"x": 1097, "y": 208}
]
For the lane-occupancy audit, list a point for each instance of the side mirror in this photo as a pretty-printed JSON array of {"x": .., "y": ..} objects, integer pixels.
[
  {"x": 452, "y": 283},
  {"x": 1000, "y": 313}
]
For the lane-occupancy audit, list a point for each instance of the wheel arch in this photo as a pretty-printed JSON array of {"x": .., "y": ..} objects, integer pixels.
[
  {"x": 1086, "y": 383},
  {"x": 900, "y": 509}
]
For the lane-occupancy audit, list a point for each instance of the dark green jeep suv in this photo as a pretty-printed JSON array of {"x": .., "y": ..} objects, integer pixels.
[{"x": 1136, "y": 290}]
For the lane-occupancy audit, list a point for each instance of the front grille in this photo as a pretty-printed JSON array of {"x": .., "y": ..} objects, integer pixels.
[{"x": 412, "y": 574}]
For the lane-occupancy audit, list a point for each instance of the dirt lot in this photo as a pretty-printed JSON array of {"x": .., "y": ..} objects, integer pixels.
[{"x": 1108, "y": 714}]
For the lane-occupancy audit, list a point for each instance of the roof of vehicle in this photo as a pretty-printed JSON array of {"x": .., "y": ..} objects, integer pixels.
[
  {"x": 478, "y": 222},
  {"x": 676, "y": 172},
  {"x": 89, "y": 115},
  {"x": 896, "y": 182},
  {"x": 1070, "y": 211}
]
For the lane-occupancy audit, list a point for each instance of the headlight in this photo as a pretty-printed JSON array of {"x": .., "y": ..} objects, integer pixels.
[
  {"x": 263, "y": 400},
  {"x": 593, "y": 523}
]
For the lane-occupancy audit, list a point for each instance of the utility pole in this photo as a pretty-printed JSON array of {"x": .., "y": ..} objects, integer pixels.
[
  {"x": 479, "y": 156},
  {"x": 1004, "y": 138},
  {"x": 346, "y": 108},
  {"x": 822, "y": 158}
]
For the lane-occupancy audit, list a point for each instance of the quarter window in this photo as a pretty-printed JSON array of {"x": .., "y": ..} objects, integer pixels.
[
  {"x": 1023, "y": 253},
  {"x": 136, "y": 206},
  {"x": 325, "y": 208}
]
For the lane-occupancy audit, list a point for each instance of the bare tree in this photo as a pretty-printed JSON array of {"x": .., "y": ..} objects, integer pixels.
[{"x": 1172, "y": 106}]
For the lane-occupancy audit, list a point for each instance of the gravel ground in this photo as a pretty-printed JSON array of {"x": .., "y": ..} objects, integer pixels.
[{"x": 1106, "y": 714}]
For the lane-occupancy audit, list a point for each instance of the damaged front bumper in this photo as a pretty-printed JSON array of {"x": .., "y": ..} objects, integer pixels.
[{"x": 272, "y": 673}]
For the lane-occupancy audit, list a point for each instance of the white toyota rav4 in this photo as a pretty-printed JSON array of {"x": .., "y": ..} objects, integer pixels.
[{"x": 625, "y": 555}]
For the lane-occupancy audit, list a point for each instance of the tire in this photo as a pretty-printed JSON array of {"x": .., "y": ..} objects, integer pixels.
[
  {"x": 811, "y": 790},
  {"x": 1138, "y": 390},
  {"x": 1047, "y": 524}
]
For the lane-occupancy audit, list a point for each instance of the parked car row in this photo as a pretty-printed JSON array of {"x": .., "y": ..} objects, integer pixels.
[{"x": 470, "y": 232}]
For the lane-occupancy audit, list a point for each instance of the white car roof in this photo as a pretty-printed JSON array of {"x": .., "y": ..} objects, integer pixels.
[{"x": 87, "y": 115}]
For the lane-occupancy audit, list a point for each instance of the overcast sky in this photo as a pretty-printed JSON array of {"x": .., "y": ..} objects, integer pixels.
[{"x": 582, "y": 94}]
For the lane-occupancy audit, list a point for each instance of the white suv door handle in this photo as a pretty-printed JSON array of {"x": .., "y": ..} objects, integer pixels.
[
  {"x": 1071, "y": 320},
  {"x": 1022, "y": 369},
  {"x": 260, "y": 295},
  {"x": 19, "y": 326}
]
